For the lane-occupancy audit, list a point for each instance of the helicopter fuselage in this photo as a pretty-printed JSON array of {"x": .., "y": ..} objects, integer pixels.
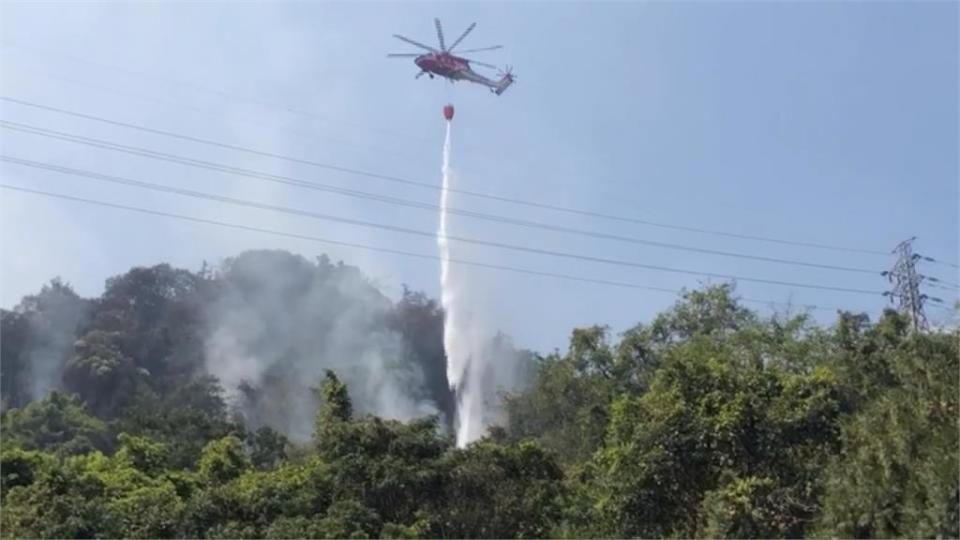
[
  {"x": 455, "y": 68},
  {"x": 444, "y": 65}
]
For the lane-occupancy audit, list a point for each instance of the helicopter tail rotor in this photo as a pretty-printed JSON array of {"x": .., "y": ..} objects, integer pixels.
[{"x": 506, "y": 79}]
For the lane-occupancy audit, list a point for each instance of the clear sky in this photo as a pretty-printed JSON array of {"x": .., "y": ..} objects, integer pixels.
[{"x": 832, "y": 122}]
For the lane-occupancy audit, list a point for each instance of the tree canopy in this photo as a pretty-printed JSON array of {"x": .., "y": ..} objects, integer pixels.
[{"x": 710, "y": 420}]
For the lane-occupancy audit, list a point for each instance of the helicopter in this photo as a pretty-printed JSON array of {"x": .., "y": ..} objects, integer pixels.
[{"x": 445, "y": 63}]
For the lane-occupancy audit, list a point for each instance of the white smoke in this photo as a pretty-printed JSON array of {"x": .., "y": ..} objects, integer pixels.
[
  {"x": 51, "y": 319},
  {"x": 281, "y": 321}
]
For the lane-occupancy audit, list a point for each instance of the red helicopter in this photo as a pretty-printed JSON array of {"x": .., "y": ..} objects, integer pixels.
[{"x": 455, "y": 68}]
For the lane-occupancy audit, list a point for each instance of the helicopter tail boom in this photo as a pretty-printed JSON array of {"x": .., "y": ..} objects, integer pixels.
[{"x": 504, "y": 83}]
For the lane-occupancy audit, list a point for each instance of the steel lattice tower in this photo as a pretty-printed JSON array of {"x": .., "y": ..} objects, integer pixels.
[{"x": 906, "y": 280}]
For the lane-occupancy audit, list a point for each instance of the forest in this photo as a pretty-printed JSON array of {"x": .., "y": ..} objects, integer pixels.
[{"x": 272, "y": 396}]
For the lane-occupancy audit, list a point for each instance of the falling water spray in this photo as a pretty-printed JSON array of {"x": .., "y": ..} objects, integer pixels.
[
  {"x": 477, "y": 368},
  {"x": 454, "y": 345},
  {"x": 454, "y": 371}
]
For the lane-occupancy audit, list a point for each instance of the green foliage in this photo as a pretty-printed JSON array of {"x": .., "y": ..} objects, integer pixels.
[
  {"x": 344, "y": 519},
  {"x": 157, "y": 314},
  {"x": 296, "y": 527},
  {"x": 20, "y": 468},
  {"x": 93, "y": 495},
  {"x": 708, "y": 421},
  {"x": 62, "y": 502},
  {"x": 349, "y": 519},
  {"x": 568, "y": 407},
  {"x": 58, "y": 423},
  {"x": 255, "y": 499},
  {"x": 713, "y": 311},
  {"x": 267, "y": 448},
  {"x": 232, "y": 530},
  {"x": 565, "y": 410},
  {"x": 389, "y": 466},
  {"x": 743, "y": 508},
  {"x": 223, "y": 460},
  {"x": 898, "y": 473},
  {"x": 496, "y": 491},
  {"x": 184, "y": 419},
  {"x": 335, "y": 406},
  {"x": 151, "y": 511},
  {"x": 708, "y": 416},
  {"x": 147, "y": 456},
  {"x": 418, "y": 529},
  {"x": 101, "y": 373}
]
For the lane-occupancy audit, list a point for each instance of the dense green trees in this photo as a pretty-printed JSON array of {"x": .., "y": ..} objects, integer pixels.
[
  {"x": 711, "y": 422},
  {"x": 708, "y": 421},
  {"x": 730, "y": 438},
  {"x": 59, "y": 424},
  {"x": 897, "y": 472}
]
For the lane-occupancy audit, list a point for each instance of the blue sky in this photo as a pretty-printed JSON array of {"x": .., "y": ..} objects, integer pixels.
[{"x": 833, "y": 122}]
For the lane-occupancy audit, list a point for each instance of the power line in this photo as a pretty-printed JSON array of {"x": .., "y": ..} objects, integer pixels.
[
  {"x": 950, "y": 290},
  {"x": 374, "y": 248},
  {"x": 227, "y": 146},
  {"x": 143, "y": 152},
  {"x": 175, "y": 82},
  {"x": 317, "y": 136},
  {"x": 431, "y": 186},
  {"x": 247, "y": 119},
  {"x": 939, "y": 282},
  {"x": 404, "y": 230},
  {"x": 935, "y": 261}
]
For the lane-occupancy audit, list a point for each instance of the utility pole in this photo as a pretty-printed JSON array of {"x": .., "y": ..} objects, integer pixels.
[{"x": 906, "y": 281}]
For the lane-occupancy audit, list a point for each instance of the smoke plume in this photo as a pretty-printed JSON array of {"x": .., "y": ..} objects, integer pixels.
[{"x": 280, "y": 321}]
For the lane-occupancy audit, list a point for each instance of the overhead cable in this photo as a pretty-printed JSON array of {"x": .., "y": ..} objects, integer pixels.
[
  {"x": 370, "y": 248},
  {"x": 500, "y": 245},
  {"x": 432, "y": 186},
  {"x": 163, "y": 156}
]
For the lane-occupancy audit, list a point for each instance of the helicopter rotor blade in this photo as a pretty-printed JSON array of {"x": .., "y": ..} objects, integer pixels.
[
  {"x": 436, "y": 23},
  {"x": 484, "y": 64},
  {"x": 415, "y": 43},
  {"x": 402, "y": 55},
  {"x": 463, "y": 35},
  {"x": 482, "y": 49}
]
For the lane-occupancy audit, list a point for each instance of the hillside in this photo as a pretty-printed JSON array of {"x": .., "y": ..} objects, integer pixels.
[{"x": 277, "y": 397}]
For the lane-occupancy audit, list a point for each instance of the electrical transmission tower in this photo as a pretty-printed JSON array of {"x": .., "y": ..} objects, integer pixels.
[{"x": 906, "y": 284}]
